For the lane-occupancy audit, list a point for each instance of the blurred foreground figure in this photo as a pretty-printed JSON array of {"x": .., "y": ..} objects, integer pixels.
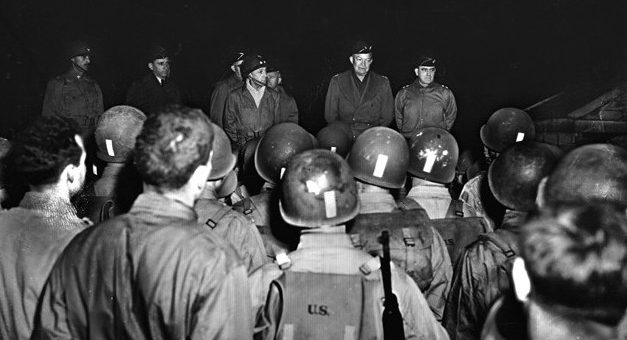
[
  {"x": 114, "y": 192},
  {"x": 5, "y": 146},
  {"x": 571, "y": 279},
  {"x": 483, "y": 272},
  {"x": 51, "y": 159},
  {"x": 153, "y": 273},
  {"x": 327, "y": 289},
  {"x": 358, "y": 96},
  {"x": 74, "y": 94},
  {"x": 156, "y": 89}
]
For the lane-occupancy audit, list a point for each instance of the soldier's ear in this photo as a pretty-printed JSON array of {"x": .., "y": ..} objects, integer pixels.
[
  {"x": 540, "y": 201},
  {"x": 417, "y": 71},
  {"x": 522, "y": 283},
  {"x": 151, "y": 66},
  {"x": 350, "y": 59}
]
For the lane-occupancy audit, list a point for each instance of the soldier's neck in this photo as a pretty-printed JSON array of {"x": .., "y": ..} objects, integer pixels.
[
  {"x": 76, "y": 71},
  {"x": 365, "y": 187}
]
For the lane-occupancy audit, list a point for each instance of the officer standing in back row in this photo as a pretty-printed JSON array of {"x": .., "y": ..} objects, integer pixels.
[
  {"x": 359, "y": 96},
  {"x": 223, "y": 88},
  {"x": 424, "y": 103},
  {"x": 74, "y": 94}
]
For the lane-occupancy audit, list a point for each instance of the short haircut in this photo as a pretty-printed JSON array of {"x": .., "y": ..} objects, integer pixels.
[
  {"x": 576, "y": 256},
  {"x": 44, "y": 149},
  {"x": 173, "y": 143}
]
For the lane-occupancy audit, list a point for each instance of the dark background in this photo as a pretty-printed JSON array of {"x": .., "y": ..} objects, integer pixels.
[{"x": 493, "y": 53}]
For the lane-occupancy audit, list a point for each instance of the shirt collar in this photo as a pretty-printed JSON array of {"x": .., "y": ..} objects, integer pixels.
[
  {"x": 48, "y": 204},
  {"x": 313, "y": 239},
  {"x": 253, "y": 90},
  {"x": 157, "y": 205},
  {"x": 375, "y": 202}
]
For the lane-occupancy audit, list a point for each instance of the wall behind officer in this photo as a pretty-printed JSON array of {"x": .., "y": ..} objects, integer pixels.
[
  {"x": 51, "y": 158},
  {"x": 288, "y": 110},
  {"x": 318, "y": 210},
  {"x": 483, "y": 272},
  {"x": 221, "y": 218},
  {"x": 153, "y": 273},
  {"x": 379, "y": 160},
  {"x": 570, "y": 281},
  {"x": 156, "y": 89},
  {"x": 224, "y": 87},
  {"x": 74, "y": 94},
  {"x": 252, "y": 108},
  {"x": 424, "y": 103},
  {"x": 359, "y": 96}
]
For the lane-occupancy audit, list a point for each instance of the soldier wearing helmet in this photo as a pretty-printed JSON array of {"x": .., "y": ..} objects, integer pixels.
[
  {"x": 482, "y": 275},
  {"x": 156, "y": 89},
  {"x": 595, "y": 172},
  {"x": 336, "y": 137},
  {"x": 252, "y": 108},
  {"x": 153, "y": 272},
  {"x": 288, "y": 110},
  {"x": 359, "y": 97},
  {"x": 74, "y": 94},
  {"x": 221, "y": 218},
  {"x": 379, "y": 159},
  {"x": 424, "y": 103},
  {"x": 504, "y": 127},
  {"x": 433, "y": 154},
  {"x": 222, "y": 89},
  {"x": 272, "y": 154},
  {"x": 118, "y": 185},
  {"x": 308, "y": 291}
]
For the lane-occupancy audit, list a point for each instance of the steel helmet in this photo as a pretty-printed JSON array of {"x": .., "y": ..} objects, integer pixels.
[
  {"x": 252, "y": 62},
  {"x": 223, "y": 160},
  {"x": 116, "y": 132},
  {"x": 433, "y": 155},
  {"x": 228, "y": 185},
  {"x": 334, "y": 138},
  {"x": 76, "y": 48},
  {"x": 318, "y": 189},
  {"x": 515, "y": 174},
  {"x": 588, "y": 173},
  {"x": 246, "y": 155},
  {"x": 505, "y": 127},
  {"x": 380, "y": 156},
  {"x": 275, "y": 149}
]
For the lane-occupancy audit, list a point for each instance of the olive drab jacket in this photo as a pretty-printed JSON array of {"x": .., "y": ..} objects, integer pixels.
[
  {"x": 417, "y": 107},
  {"x": 32, "y": 236},
  {"x": 333, "y": 254},
  {"x": 219, "y": 96},
  {"x": 243, "y": 120},
  {"x": 235, "y": 228},
  {"x": 153, "y": 273},
  {"x": 78, "y": 98},
  {"x": 288, "y": 110},
  {"x": 373, "y": 107},
  {"x": 482, "y": 275}
]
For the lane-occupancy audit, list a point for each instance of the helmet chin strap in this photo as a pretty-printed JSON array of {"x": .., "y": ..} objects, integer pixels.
[
  {"x": 78, "y": 67},
  {"x": 256, "y": 82}
]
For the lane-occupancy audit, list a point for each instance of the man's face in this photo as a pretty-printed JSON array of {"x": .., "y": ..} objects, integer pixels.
[
  {"x": 425, "y": 74},
  {"x": 80, "y": 170},
  {"x": 236, "y": 69},
  {"x": 160, "y": 67},
  {"x": 274, "y": 79},
  {"x": 81, "y": 62},
  {"x": 259, "y": 76},
  {"x": 361, "y": 63}
]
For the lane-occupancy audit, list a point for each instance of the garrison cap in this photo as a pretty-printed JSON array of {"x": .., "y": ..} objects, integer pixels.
[
  {"x": 156, "y": 52},
  {"x": 361, "y": 47},
  {"x": 426, "y": 61}
]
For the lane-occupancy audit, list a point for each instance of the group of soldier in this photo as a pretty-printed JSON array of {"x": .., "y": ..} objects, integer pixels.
[{"x": 242, "y": 224}]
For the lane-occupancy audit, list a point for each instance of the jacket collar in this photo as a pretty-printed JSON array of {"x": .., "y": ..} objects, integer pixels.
[
  {"x": 159, "y": 206},
  {"x": 47, "y": 204}
]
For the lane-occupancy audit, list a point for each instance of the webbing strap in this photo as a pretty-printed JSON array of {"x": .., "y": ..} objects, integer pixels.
[
  {"x": 407, "y": 238},
  {"x": 356, "y": 240}
]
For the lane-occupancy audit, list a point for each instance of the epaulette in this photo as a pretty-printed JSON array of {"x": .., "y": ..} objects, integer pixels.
[
  {"x": 406, "y": 86},
  {"x": 444, "y": 86}
]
